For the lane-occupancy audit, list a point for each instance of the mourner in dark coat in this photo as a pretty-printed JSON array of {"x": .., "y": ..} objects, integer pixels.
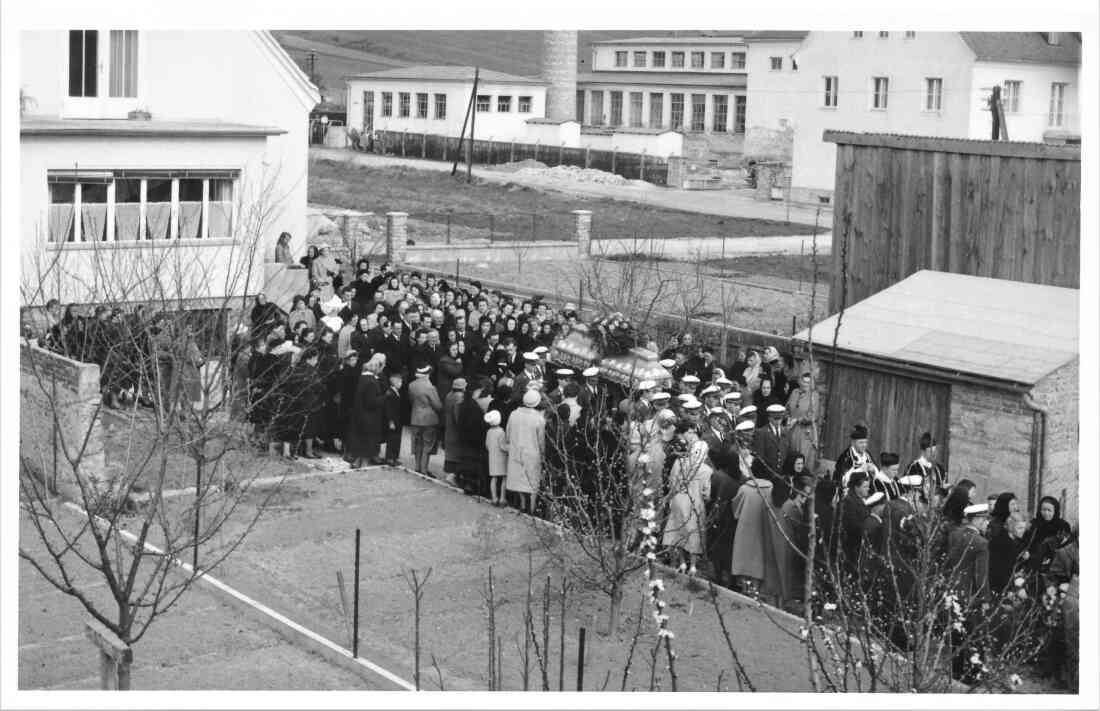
[
  {"x": 392, "y": 417},
  {"x": 364, "y": 438}
]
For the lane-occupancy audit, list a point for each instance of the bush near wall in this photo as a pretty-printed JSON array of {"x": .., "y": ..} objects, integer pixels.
[{"x": 633, "y": 166}]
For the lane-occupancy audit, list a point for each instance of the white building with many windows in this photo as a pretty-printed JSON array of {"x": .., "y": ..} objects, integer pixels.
[
  {"x": 134, "y": 162},
  {"x": 924, "y": 83}
]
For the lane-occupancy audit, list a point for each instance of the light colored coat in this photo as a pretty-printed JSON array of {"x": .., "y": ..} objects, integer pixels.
[
  {"x": 497, "y": 448},
  {"x": 753, "y": 554},
  {"x": 526, "y": 437},
  {"x": 689, "y": 487},
  {"x": 425, "y": 403}
]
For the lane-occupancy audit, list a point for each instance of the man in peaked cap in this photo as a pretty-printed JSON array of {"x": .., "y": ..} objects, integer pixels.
[
  {"x": 689, "y": 383},
  {"x": 968, "y": 565},
  {"x": 561, "y": 376},
  {"x": 712, "y": 396},
  {"x": 591, "y": 396},
  {"x": 748, "y": 412},
  {"x": 693, "y": 411},
  {"x": 771, "y": 443}
]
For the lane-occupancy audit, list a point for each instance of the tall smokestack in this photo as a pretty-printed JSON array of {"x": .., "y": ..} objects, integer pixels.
[{"x": 559, "y": 70}]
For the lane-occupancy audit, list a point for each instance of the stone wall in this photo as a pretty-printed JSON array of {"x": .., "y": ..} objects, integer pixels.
[
  {"x": 726, "y": 147},
  {"x": 59, "y": 408},
  {"x": 1059, "y": 395},
  {"x": 764, "y": 143},
  {"x": 991, "y": 433}
]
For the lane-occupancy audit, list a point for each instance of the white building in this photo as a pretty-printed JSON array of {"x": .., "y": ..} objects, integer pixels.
[
  {"x": 142, "y": 147},
  {"x": 771, "y": 105},
  {"x": 926, "y": 83},
  {"x": 434, "y": 99}
]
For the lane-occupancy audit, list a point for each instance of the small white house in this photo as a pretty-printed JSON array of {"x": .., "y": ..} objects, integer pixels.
[
  {"x": 138, "y": 147},
  {"x": 434, "y": 100},
  {"x": 922, "y": 83}
]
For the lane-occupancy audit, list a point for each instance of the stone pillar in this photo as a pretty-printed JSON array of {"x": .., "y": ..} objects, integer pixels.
[
  {"x": 583, "y": 230},
  {"x": 396, "y": 236}
]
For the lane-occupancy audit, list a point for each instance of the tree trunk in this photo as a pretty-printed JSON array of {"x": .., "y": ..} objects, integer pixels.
[{"x": 615, "y": 608}]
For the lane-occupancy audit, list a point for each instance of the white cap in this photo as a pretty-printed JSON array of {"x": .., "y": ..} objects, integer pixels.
[
  {"x": 723, "y": 381},
  {"x": 690, "y": 379},
  {"x": 667, "y": 363},
  {"x": 531, "y": 398},
  {"x": 565, "y": 372},
  {"x": 710, "y": 389},
  {"x": 424, "y": 370},
  {"x": 744, "y": 426},
  {"x": 492, "y": 418},
  {"x": 717, "y": 411},
  {"x": 875, "y": 498},
  {"x": 647, "y": 385},
  {"x": 747, "y": 410},
  {"x": 686, "y": 397},
  {"x": 530, "y": 356},
  {"x": 659, "y": 396},
  {"x": 731, "y": 396},
  {"x": 911, "y": 480},
  {"x": 976, "y": 510},
  {"x": 692, "y": 405},
  {"x": 776, "y": 409},
  {"x": 540, "y": 350},
  {"x": 590, "y": 372}
]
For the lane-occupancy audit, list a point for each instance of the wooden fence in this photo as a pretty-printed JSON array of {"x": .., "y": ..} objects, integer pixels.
[
  {"x": 984, "y": 208},
  {"x": 634, "y": 166}
]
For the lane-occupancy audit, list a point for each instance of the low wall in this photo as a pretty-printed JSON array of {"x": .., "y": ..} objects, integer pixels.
[
  {"x": 485, "y": 252},
  {"x": 59, "y": 408}
]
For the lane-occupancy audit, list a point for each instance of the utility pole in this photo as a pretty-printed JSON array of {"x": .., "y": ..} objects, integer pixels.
[
  {"x": 473, "y": 121},
  {"x": 465, "y": 121},
  {"x": 312, "y": 63},
  {"x": 996, "y": 108}
]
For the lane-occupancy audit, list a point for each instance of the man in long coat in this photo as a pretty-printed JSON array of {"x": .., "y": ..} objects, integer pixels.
[
  {"x": 364, "y": 440},
  {"x": 755, "y": 562}
]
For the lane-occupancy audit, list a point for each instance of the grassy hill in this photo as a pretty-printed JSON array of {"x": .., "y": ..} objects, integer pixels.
[{"x": 342, "y": 52}]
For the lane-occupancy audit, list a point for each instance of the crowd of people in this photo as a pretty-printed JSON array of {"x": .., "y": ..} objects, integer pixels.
[{"x": 730, "y": 450}]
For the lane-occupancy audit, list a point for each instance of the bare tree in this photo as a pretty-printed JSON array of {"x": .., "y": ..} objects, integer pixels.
[{"x": 127, "y": 520}]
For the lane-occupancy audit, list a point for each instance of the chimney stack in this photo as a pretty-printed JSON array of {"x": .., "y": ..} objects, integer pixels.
[{"x": 559, "y": 70}]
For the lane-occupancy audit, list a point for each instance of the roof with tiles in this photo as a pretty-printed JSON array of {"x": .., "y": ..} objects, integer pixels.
[
  {"x": 1031, "y": 47},
  {"x": 446, "y": 72},
  {"x": 992, "y": 328}
]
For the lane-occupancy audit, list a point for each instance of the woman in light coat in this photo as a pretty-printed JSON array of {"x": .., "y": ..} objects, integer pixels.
[
  {"x": 497, "y": 449},
  {"x": 754, "y": 556},
  {"x": 526, "y": 438},
  {"x": 689, "y": 489}
]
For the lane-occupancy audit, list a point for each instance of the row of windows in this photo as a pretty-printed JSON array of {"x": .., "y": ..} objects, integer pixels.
[
  {"x": 719, "y": 114},
  {"x": 136, "y": 208},
  {"x": 932, "y": 98},
  {"x": 657, "y": 59},
  {"x": 909, "y": 34},
  {"x": 483, "y": 104}
]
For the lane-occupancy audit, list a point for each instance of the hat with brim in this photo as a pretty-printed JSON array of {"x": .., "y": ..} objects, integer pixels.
[
  {"x": 858, "y": 432},
  {"x": 458, "y": 384},
  {"x": 690, "y": 380},
  {"x": 647, "y": 385},
  {"x": 747, "y": 411},
  {"x": 530, "y": 357},
  {"x": 717, "y": 412},
  {"x": 540, "y": 350},
  {"x": 745, "y": 426},
  {"x": 660, "y": 397},
  {"x": 531, "y": 398},
  {"x": 492, "y": 418},
  {"x": 686, "y": 397},
  {"x": 692, "y": 405},
  {"x": 424, "y": 370},
  {"x": 590, "y": 372},
  {"x": 710, "y": 390},
  {"x": 563, "y": 372},
  {"x": 723, "y": 381},
  {"x": 667, "y": 363},
  {"x": 731, "y": 396},
  {"x": 776, "y": 410},
  {"x": 976, "y": 510}
]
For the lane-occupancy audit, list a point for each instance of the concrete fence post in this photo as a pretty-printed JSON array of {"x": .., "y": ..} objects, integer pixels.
[
  {"x": 641, "y": 169},
  {"x": 587, "y": 156},
  {"x": 396, "y": 236},
  {"x": 614, "y": 150},
  {"x": 583, "y": 230},
  {"x": 424, "y": 145}
]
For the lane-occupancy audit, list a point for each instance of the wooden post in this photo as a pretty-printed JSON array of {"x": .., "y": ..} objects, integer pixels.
[
  {"x": 355, "y": 604},
  {"x": 462, "y": 134},
  {"x": 580, "y": 661},
  {"x": 404, "y": 133},
  {"x": 424, "y": 145},
  {"x": 613, "y": 151},
  {"x": 587, "y": 156},
  {"x": 561, "y": 151},
  {"x": 473, "y": 122},
  {"x": 512, "y": 152},
  {"x": 641, "y": 169},
  {"x": 115, "y": 657}
]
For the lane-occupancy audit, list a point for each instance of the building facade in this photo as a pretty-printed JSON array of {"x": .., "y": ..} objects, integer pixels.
[
  {"x": 434, "y": 99},
  {"x": 131, "y": 159},
  {"x": 922, "y": 83}
]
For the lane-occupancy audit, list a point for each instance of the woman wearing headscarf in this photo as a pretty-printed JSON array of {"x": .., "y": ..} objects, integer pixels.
[
  {"x": 364, "y": 438},
  {"x": 449, "y": 368},
  {"x": 1004, "y": 547},
  {"x": 300, "y": 312},
  {"x": 783, "y": 484},
  {"x": 1044, "y": 535},
  {"x": 264, "y": 315},
  {"x": 763, "y": 398},
  {"x": 689, "y": 489}
]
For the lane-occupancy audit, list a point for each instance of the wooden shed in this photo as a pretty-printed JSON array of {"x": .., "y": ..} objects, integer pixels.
[
  {"x": 985, "y": 208},
  {"x": 989, "y": 366}
]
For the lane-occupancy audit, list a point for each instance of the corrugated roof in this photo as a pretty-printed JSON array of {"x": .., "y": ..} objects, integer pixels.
[
  {"x": 446, "y": 72},
  {"x": 994, "y": 328},
  {"x": 686, "y": 78},
  {"x": 49, "y": 126},
  {"x": 1023, "y": 47}
]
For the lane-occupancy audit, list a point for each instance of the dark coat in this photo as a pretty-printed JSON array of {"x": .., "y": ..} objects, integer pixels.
[
  {"x": 853, "y": 515},
  {"x": 770, "y": 448},
  {"x": 364, "y": 436},
  {"x": 391, "y": 410},
  {"x": 968, "y": 564},
  {"x": 1004, "y": 552}
]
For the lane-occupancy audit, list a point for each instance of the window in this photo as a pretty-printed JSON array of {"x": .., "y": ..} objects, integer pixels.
[
  {"x": 721, "y": 112},
  {"x": 880, "y": 93},
  {"x": 858, "y": 34},
  {"x": 737, "y": 60},
  {"x": 697, "y": 59},
  {"x": 1010, "y": 96},
  {"x": 698, "y": 112},
  {"x": 580, "y": 106},
  {"x": 739, "y": 114},
  {"x": 523, "y": 106},
  {"x": 656, "y": 110},
  {"x": 777, "y": 64},
  {"x": 504, "y": 104},
  {"x": 832, "y": 85},
  {"x": 1057, "y": 102},
  {"x": 676, "y": 112},
  {"x": 422, "y": 106},
  {"x": 677, "y": 60},
  {"x": 483, "y": 104},
  {"x": 717, "y": 60},
  {"x": 636, "y": 109},
  {"x": 658, "y": 59},
  {"x": 883, "y": 35},
  {"x": 387, "y": 103},
  {"x": 130, "y": 206},
  {"x": 403, "y": 104},
  {"x": 441, "y": 106},
  {"x": 639, "y": 59},
  {"x": 123, "y": 63},
  {"x": 933, "y": 94},
  {"x": 620, "y": 59},
  {"x": 910, "y": 34},
  {"x": 616, "y": 108},
  {"x": 83, "y": 62},
  {"x": 597, "y": 108}
]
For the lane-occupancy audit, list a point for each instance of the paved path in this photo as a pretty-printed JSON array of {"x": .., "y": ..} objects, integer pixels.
[{"x": 730, "y": 203}]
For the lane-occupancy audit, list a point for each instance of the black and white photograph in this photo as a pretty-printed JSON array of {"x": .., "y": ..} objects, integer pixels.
[{"x": 701, "y": 349}]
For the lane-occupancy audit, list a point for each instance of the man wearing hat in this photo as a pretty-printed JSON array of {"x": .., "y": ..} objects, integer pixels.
[
  {"x": 748, "y": 412},
  {"x": 424, "y": 418},
  {"x": 731, "y": 402},
  {"x": 744, "y": 432},
  {"x": 562, "y": 376},
  {"x": 770, "y": 443},
  {"x": 716, "y": 433},
  {"x": 968, "y": 566},
  {"x": 856, "y": 457},
  {"x": 692, "y": 411},
  {"x": 712, "y": 397},
  {"x": 591, "y": 396},
  {"x": 530, "y": 371},
  {"x": 926, "y": 466},
  {"x": 689, "y": 384},
  {"x": 543, "y": 365}
]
